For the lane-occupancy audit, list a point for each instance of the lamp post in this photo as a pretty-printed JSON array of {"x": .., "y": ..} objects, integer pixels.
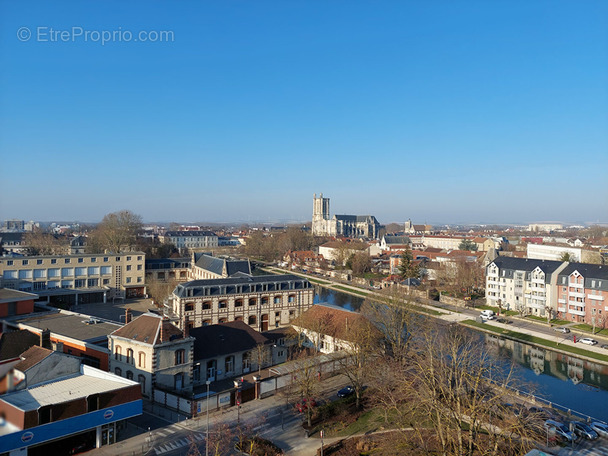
[{"x": 207, "y": 436}]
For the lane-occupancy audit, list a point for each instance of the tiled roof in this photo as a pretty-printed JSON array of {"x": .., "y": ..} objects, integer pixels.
[
  {"x": 333, "y": 321},
  {"x": 224, "y": 339},
  {"x": 147, "y": 329},
  {"x": 31, "y": 357}
]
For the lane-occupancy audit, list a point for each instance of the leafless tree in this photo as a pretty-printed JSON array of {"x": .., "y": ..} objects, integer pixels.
[
  {"x": 116, "y": 233},
  {"x": 40, "y": 243}
]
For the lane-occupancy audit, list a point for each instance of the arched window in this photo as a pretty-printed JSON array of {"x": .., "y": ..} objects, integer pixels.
[
  {"x": 178, "y": 381},
  {"x": 207, "y": 305},
  {"x": 118, "y": 353},
  {"x": 206, "y": 322},
  {"x": 223, "y": 304},
  {"x": 118, "y": 371},
  {"x": 129, "y": 375},
  {"x": 222, "y": 320},
  {"x": 130, "y": 356},
  {"x": 238, "y": 303},
  {"x": 264, "y": 300},
  {"x": 251, "y": 320},
  {"x": 142, "y": 360},
  {"x": 277, "y": 300},
  {"x": 253, "y": 301}
]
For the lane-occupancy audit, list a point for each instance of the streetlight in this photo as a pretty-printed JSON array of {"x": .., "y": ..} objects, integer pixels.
[{"x": 207, "y": 437}]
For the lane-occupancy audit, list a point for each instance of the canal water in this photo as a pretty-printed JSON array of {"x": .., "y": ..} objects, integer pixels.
[{"x": 571, "y": 382}]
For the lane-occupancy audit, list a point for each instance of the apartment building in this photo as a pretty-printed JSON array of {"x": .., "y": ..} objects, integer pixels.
[
  {"x": 190, "y": 239},
  {"x": 260, "y": 301},
  {"x": 73, "y": 279},
  {"x": 522, "y": 284},
  {"x": 582, "y": 294},
  {"x": 206, "y": 266}
]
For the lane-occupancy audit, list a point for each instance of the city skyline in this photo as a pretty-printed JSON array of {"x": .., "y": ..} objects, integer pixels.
[{"x": 440, "y": 113}]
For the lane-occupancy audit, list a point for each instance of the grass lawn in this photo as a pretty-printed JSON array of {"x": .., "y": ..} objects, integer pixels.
[
  {"x": 589, "y": 328},
  {"x": 537, "y": 318},
  {"x": 537, "y": 340},
  {"x": 349, "y": 290},
  {"x": 428, "y": 311},
  {"x": 320, "y": 282}
]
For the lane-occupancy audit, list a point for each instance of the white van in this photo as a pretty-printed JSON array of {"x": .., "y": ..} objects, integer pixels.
[{"x": 488, "y": 315}]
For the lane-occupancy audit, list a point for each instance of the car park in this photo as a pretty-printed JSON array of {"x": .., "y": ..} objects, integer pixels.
[
  {"x": 588, "y": 341},
  {"x": 345, "y": 392},
  {"x": 561, "y": 430},
  {"x": 562, "y": 329},
  {"x": 600, "y": 428},
  {"x": 584, "y": 430}
]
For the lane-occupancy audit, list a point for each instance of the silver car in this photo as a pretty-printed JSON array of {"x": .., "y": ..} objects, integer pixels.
[
  {"x": 600, "y": 428},
  {"x": 583, "y": 430},
  {"x": 588, "y": 341}
]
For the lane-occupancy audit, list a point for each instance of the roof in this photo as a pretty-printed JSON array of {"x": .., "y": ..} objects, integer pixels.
[
  {"x": 13, "y": 343},
  {"x": 220, "y": 265},
  {"x": 332, "y": 321},
  {"x": 526, "y": 264},
  {"x": 190, "y": 233},
  {"x": 388, "y": 239},
  {"x": 14, "y": 237},
  {"x": 147, "y": 329},
  {"x": 167, "y": 263},
  {"x": 8, "y": 295},
  {"x": 76, "y": 326},
  {"x": 589, "y": 272},
  {"x": 233, "y": 285},
  {"x": 89, "y": 381},
  {"x": 31, "y": 357},
  {"x": 224, "y": 339},
  {"x": 357, "y": 218}
]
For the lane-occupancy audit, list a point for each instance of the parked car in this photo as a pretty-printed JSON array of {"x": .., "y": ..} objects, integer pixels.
[
  {"x": 588, "y": 341},
  {"x": 562, "y": 329},
  {"x": 345, "y": 392},
  {"x": 561, "y": 430},
  {"x": 600, "y": 428},
  {"x": 584, "y": 430},
  {"x": 304, "y": 404},
  {"x": 605, "y": 346},
  {"x": 542, "y": 413},
  {"x": 504, "y": 320},
  {"x": 487, "y": 315}
]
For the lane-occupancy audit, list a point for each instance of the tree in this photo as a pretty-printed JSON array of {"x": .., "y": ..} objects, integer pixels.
[
  {"x": 159, "y": 290},
  {"x": 566, "y": 257},
  {"x": 40, "y": 243},
  {"x": 360, "y": 263},
  {"x": 305, "y": 381},
  {"x": 468, "y": 244},
  {"x": 116, "y": 233},
  {"x": 407, "y": 268}
]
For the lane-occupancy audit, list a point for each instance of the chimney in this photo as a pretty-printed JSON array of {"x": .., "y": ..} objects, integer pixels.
[
  {"x": 128, "y": 316},
  {"x": 45, "y": 339},
  {"x": 162, "y": 329}
]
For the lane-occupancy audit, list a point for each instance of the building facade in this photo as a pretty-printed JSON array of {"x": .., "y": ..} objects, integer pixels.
[
  {"x": 582, "y": 294},
  {"x": 153, "y": 352},
  {"x": 524, "y": 285},
  {"x": 357, "y": 226},
  {"x": 76, "y": 278},
  {"x": 262, "y": 302},
  {"x": 190, "y": 239},
  {"x": 206, "y": 266}
]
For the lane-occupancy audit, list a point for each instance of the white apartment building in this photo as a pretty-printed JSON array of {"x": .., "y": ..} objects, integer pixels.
[
  {"x": 522, "y": 284},
  {"x": 190, "y": 239},
  {"x": 553, "y": 252}
]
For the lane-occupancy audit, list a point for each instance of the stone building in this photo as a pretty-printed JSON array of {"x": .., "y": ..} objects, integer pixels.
[
  {"x": 357, "y": 226},
  {"x": 262, "y": 302}
]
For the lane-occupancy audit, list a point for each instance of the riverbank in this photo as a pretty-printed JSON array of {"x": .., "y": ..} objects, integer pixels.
[{"x": 532, "y": 335}]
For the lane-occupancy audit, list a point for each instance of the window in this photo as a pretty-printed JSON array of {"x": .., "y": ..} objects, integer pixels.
[
  {"x": 252, "y": 302},
  {"x": 25, "y": 274},
  {"x": 129, "y": 375},
  {"x": 79, "y": 283},
  {"x": 118, "y": 371},
  {"x": 106, "y": 259},
  {"x": 178, "y": 381},
  {"x": 264, "y": 301},
  {"x": 93, "y": 260},
  {"x": 206, "y": 305},
  {"x": 118, "y": 353},
  {"x": 67, "y": 272},
  {"x": 117, "y": 258},
  {"x": 24, "y": 262},
  {"x": 128, "y": 267},
  {"x": 142, "y": 381},
  {"x": 80, "y": 260},
  {"x": 280, "y": 353},
  {"x": 139, "y": 258},
  {"x": 251, "y": 320},
  {"x": 139, "y": 267},
  {"x": 189, "y": 306},
  {"x": 81, "y": 271},
  {"x": 129, "y": 356},
  {"x": 92, "y": 282},
  {"x": 106, "y": 270},
  {"x": 93, "y": 270},
  {"x": 128, "y": 258},
  {"x": 67, "y": 261},
  {"x": 38, "y": 261},
  {"x": 106, "y": 281},
  {"x": 238, "y": 303},
  {"x": 139, "y": 279},
  {"x": 277, "y": 300},
  {"x": 179, "y": 356},
  {"x": 223, "y": 304},
  {"x": 142, "y": 360},
  {"x": 229, "y": 364},
  {"x": 9, "y": 262},
  {"x": 128, "y": 279}
]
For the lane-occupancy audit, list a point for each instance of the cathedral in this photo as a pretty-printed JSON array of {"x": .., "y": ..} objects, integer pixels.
[{"x": 357, "y": 226}]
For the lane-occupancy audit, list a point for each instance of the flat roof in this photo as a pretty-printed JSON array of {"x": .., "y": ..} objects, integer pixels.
[
  {"x": 64, "y": 390},
  {"x": 70, "y": 325},
  {"x": 8, "y": 295}
]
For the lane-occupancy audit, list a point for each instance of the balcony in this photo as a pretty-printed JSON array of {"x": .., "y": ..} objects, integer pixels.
[
  {"x": 575, "y": 285},
  {"x": 596, "y": 297},
  {"x": 561, "y": 309},
  {"x": 562, "y": 301},
  {"x": 577, "y": 312},
  {"x": 536, "y": 286},
  {"x": 577, "y": 294}
]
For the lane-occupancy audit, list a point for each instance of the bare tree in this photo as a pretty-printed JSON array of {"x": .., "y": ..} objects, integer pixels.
[
  {"x": 116, "y": 233},
  {"x": 160, "y": 290},
  {"x": 40, "y": 243},
  {"x": 305, "y": 382}
]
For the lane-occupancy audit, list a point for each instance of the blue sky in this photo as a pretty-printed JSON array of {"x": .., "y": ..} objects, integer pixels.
[{"x": 438, "y": 111}]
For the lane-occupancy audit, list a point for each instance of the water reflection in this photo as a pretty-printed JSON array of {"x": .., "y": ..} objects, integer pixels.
[{"x": 564, "y": 379}]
